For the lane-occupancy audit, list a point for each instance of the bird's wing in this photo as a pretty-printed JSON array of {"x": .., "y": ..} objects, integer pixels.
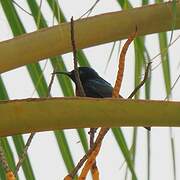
[{"x": 98, "y": 88}]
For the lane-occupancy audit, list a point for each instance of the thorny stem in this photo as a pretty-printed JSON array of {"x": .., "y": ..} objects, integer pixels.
[
  {"x": 81, "y": 162},
  {"x": 122, "y": 59}
]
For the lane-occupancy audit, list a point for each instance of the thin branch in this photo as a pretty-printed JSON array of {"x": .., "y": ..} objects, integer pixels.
[
  {"x": 21, "y": 8},
  {"x": 51, "y": 83},
  {"x": 76, "y": 72},
  {"x": 163, "y": 53},
  {"x": 89, "y": 11},
  {"x": 81, "y": 162},
  {"x": 23, "y": 155},
  {"x": 142, "y": 82},
  {"x": 92, "y": 135},
  {"x": 140, "y": 85},
  {"x": 174, "y": 84}
]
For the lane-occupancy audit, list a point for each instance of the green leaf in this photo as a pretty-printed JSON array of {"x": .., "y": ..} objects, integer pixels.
[
  {"x": 165, "y": 61},
  {"x": 123, "y": 146},
  {"x": 17, "y": 29},
  {"x": 65, "y": 151},
  {"x": 3, "y": 140}
]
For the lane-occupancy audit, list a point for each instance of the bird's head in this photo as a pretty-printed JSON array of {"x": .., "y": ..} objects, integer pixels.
[{"x": 85, "y": 73}]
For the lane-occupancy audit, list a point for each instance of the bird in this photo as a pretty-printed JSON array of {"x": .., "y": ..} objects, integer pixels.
[{"x": 93, "y": 84}]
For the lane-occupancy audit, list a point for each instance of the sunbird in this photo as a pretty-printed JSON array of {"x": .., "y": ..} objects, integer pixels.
[{"x": 93, "y": 84}]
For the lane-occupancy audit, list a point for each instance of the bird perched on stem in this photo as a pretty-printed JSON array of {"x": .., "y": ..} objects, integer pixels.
[{"x": 93, "y": 85}]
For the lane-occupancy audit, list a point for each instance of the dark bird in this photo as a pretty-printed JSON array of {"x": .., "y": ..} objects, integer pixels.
[{"x": 94, "y": 85}]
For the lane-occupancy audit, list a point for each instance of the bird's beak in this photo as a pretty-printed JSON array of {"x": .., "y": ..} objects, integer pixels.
[{"x": 63, "y": 72}]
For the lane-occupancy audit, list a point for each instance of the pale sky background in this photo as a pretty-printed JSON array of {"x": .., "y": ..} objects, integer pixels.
[{"x": 44, "y": 154}]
